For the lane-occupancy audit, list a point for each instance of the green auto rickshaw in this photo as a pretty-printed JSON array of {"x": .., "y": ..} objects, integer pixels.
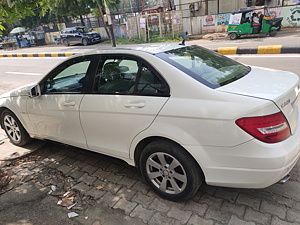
[{"x": 253, "y": 21}]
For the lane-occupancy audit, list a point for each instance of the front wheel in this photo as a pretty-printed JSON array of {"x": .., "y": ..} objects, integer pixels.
[
  {"x": 273, "y": 33},
  {"x": 170, "y": 170},
  {"x": 14, "y": 129},
  {"x": 233, "y": 36}
]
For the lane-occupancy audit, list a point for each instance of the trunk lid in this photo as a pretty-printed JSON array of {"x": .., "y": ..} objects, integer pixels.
[{"x": 277, "y": 86}]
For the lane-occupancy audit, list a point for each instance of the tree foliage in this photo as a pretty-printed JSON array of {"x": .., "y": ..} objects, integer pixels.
[{"x": 12, "y": 10}]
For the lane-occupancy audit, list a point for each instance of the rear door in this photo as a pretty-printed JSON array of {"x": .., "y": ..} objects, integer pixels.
[{"x": 126, "y": 97}]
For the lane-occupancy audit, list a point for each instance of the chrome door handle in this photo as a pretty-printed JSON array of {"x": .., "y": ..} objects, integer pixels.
[
  {"x": 69, "y": 104},
  {"x": 135, "y": 105}
]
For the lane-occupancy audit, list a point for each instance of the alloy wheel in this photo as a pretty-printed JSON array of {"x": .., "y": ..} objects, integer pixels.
[
  {"x": 12, "y": 128},
  {"x": 166, "y": 173}
]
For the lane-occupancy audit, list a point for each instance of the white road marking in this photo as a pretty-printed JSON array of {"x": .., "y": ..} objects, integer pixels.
[{"x": 21, "y": 73}]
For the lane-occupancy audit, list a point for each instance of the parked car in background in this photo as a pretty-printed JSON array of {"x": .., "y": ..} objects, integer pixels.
[
  {"x": 79, "y": 35},
  {"x": 183, "y": 115}
]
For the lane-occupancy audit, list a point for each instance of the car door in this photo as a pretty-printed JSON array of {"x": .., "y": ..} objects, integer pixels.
[
  {"x": 126, "y": 97},
  {"x": 77, "y": 35},
  {"x": 55, "y": 113}
]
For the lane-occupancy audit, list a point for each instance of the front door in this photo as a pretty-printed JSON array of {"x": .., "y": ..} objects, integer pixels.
[
  {"x": 55, "y": 114},
  {"x": 127, "y": 95}
]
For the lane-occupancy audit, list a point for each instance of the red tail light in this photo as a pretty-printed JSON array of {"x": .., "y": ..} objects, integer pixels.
[{"x": 270, "y": 129}]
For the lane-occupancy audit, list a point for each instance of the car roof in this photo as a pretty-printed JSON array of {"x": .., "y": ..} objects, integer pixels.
[
  {"x": 248, "y": 9},
  {"x": 148, "y": 48}
]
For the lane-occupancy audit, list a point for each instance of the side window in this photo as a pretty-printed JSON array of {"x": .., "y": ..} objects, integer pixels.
[
  {"x": 149, "y": 83},
  {"x": 69, "y": 77},
  {"x": 116, "y": 76}
]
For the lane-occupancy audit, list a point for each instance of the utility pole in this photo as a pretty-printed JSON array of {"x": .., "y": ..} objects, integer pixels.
[{"x": 206, "y": 7}]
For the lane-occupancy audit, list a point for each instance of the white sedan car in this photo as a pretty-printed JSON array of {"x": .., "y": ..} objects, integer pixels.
[{"x": 182, "y": 114}]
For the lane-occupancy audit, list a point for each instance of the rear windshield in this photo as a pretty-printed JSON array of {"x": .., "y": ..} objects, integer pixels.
[{"x": 208, "y": 67}]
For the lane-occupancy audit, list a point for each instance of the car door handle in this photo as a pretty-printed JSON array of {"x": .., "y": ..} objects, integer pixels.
[
  {"x": 134, "y": 105},
  {"x": 69, "y": 103}
]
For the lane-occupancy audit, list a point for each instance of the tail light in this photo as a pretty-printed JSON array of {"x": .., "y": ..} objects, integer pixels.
[{"x": 270, "y": 129}]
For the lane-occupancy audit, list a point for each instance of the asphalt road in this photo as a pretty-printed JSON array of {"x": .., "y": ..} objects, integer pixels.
[{"x": 16, "y": 72}]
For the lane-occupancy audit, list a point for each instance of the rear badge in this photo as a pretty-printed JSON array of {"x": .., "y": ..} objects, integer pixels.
[{"x": 285, "y": 103}]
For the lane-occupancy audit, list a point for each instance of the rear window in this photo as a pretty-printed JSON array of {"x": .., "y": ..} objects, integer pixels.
[{"x": 208, "y": 67}]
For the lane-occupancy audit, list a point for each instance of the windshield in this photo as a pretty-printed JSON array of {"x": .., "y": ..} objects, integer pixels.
[{"x": 208, "y": 67}]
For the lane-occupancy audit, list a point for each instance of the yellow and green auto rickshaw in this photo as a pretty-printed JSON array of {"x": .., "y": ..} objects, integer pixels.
[{"x": 253, "y": 21}]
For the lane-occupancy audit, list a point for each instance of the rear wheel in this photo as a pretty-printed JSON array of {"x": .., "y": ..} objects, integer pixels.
[
  {"x": 14, "y": 129},
  {"x": 273, "y": 33},
  {"x": 170, "y": 170},
  {"x": 85, "y": 42},
  {"x": 233, "y": 36},
  {"x": 66, "y": 42}
]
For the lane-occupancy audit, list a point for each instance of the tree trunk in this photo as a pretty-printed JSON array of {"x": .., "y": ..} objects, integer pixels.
[
  {"x": 81, "y": 18},
  {"x": 103, "y": 20}
]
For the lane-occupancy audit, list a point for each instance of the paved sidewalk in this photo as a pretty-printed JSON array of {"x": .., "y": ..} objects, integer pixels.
[{"x": 109, "y": 191}]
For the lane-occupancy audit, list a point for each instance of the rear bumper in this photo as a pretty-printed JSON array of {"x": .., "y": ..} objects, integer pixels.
[{"x": 253, "y": 164}]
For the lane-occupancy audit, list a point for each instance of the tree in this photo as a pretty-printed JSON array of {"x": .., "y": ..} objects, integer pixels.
[{"x": 12, "y": 10}]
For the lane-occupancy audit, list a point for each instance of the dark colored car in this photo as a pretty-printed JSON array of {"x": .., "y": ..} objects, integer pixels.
[{"x": 79, "y": 35}]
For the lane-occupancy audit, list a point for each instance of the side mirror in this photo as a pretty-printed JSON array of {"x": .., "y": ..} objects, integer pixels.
[{"x": 35, "y": 91}]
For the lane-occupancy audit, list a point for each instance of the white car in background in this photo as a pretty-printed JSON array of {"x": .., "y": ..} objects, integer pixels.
[{"x": 183, "y": 114}]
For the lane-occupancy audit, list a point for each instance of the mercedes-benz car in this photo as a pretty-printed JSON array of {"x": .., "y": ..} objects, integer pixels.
[
  {"x": 79, "y": 35},
  {"x": 183, "y": 115}
]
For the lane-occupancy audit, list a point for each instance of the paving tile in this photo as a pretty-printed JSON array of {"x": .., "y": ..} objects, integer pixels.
[
  {"x": 64, "y": 169},
  {"x": 196, "y": 220},
  {"x": 277, "y": 221},
  {"x": 249, "y": 201},
  {"x": 126, "y": 193},
  {"x": 101, "y": 174},
  {"x": 144, "y": 214},
  {"x": 277, "y": 210},
  {"x": 200, "y": 209},
  {"x": 75, "y": 173},
  {"x": 293, "y": 216},
  {"x": 226, "y": 193},
  {"x": 89, "y": 169},
  {"x": 112, "y": 187},
  {"x": 235, "y": 209},
  {"x": 216, "y": 214},
  {"x": 159, "y": 206},
  {"x": 159, "y": 219},
  {"x": 125, "y": 205},
  {"x": 82, "y": 187},
  {"x": 143, "y": 199},
  {"x": 87, "y": 179},
  {"x": 127, "y": 181},
  {"x": 182, "y": 215},
  {"x": 96, "y": 194},
  {"x": 258, "y": 217},
  {"x": 234, "y": 220},
  {"x": 211, "y": 201}
]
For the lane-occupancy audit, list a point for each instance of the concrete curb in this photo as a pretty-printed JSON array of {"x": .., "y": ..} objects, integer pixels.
[
  {"x": 268, "y": 49},
  {"x": 53, "y": 54}
]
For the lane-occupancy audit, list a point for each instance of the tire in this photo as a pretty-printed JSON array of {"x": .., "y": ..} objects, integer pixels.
[
  {"x": 233, "y": 36},
  {"x": 273, "y": 33},
  {"x": 14, "y": 129},
  {"x": 170, "y": 170},
  {"x": 66, "y": 42},
  {"x": 279, "y": 28},
  {"x": 85, "y": 42}
]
